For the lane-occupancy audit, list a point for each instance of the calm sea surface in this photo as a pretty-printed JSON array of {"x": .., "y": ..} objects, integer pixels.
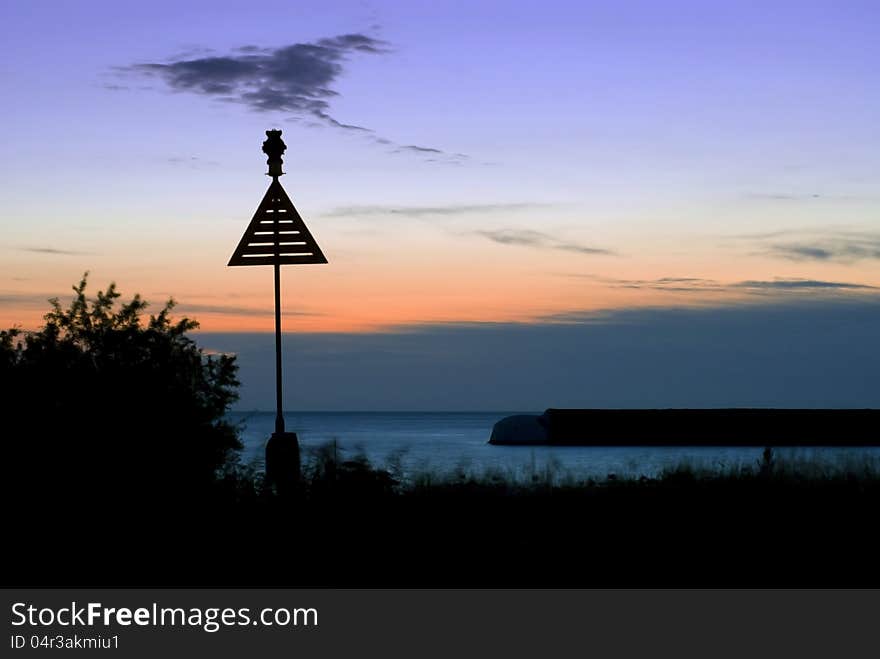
[{"x": 450, "y": 441}]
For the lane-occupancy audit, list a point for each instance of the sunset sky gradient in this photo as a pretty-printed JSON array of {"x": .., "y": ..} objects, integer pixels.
[{"x": 489, "y": 162}]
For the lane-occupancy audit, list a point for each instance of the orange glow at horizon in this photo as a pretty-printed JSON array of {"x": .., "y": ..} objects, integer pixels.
[
  {"x": 425, "y": 279},
  {"x": 397, "y": 273}
]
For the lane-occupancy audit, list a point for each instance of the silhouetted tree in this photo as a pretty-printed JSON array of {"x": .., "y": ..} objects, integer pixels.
[{"x": 105, "y": 409}]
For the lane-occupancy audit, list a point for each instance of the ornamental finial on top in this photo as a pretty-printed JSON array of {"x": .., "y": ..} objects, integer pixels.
[{"x": 274, "y": 147}]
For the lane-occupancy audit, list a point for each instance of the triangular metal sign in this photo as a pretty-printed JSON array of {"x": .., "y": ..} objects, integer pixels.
[{"x": 277, "y": 234}]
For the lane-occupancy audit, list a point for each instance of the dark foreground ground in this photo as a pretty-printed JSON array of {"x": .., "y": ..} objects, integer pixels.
[
  {"x": 352, "y": 525},
  {"x": 119, "y": 470}
]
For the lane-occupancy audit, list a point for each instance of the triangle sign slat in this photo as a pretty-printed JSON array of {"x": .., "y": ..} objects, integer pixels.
[{"x": 276, "y": 234}]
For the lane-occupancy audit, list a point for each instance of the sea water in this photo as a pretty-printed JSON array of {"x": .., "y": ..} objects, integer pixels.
[{"x": 445, "y": 443}]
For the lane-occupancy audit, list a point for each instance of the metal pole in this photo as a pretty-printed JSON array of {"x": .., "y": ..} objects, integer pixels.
[{"x": 279, "y": 417}]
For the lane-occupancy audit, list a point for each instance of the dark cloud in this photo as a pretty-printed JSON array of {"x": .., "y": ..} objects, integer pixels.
[
  {"x": 420, "y": 211},
  {"x": 797, "y": 352},
  {"x": 299, "y": 79},
  {"x": 531, "y": 238}
]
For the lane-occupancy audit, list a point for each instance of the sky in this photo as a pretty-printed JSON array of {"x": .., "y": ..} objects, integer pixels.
[{"x": 486, "y": 179}]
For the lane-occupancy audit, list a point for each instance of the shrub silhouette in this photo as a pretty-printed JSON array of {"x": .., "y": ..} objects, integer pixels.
[{"x": 105, "y": 409}]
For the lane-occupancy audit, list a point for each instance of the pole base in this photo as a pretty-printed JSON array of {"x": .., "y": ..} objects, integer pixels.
[{"x": 282, "y": 461}]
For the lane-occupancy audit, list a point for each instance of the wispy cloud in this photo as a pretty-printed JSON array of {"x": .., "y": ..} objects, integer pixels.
[
  {"x": 801, "y": 285},
  {"x": 829, "y": 244},
  {"x": 783, "y": 196},
  {"x": 807, "y": 196},
  {"x": 419, "y": 149},
  {"x": 538, "y": 239},
  {"x": 700, "y": 285},
  {"x": 677, "y": 284},
  {"x": 25, "y": 299},
  {"x": 299, "y": 79},
  {"x": 42, "y": 300},
  {"x": 193, "y": 162},
  {"x": 230, "y": 310},
  {"x": 840, "y": 249},
  {"x": 52, "y": 250},
  {"x": 422, "y": 211}
]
